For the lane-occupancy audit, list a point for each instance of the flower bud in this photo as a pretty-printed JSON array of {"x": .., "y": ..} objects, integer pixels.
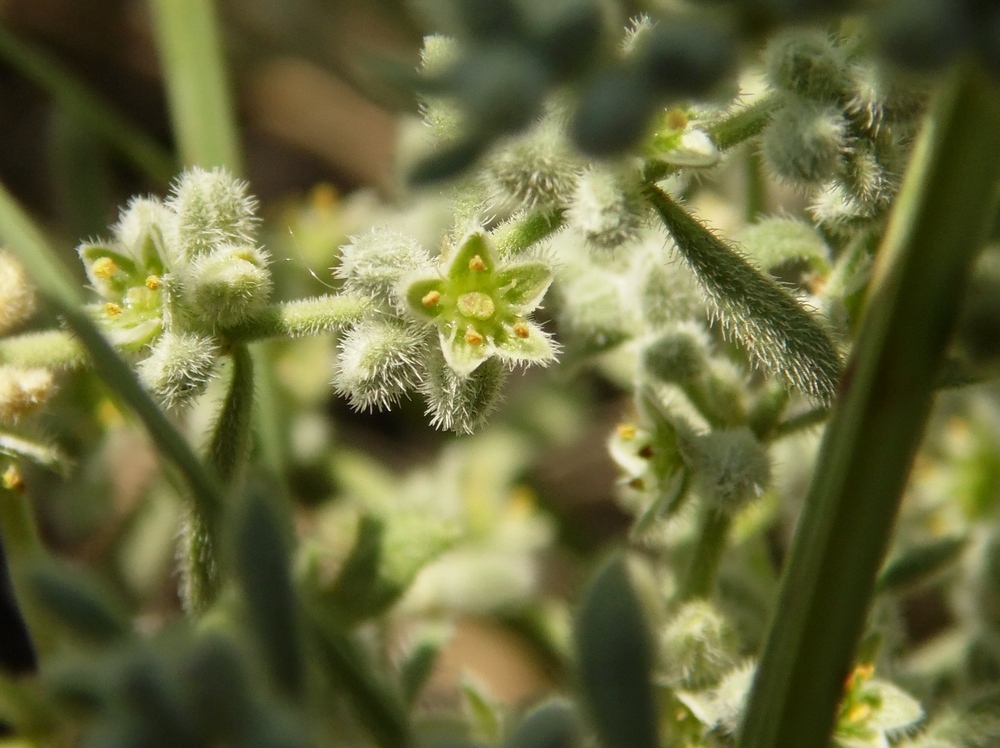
[
  {"x": 212, "y": 208},
  {"x": 178, "y": 367},
  {"x": 17, "y": 296},
  {"x": 805, "y": 145},
  {"x": 228, "y": 284},
  {"x": 22, "y": 391},
  {"x": 731, "y": 467},
  {"x": 772, "y": 242},
  {"x": 808, "y": 64},
  {"x": 378, "y": 363},
  {"x": 462, "y": 404},
  {"x": 678, "y": 355},
  {"x": 697, "y": 647},
  {"x": 608, "y": 207},
  {"x": 374, "y": 263},
  {"x": 538, "y": 171}
]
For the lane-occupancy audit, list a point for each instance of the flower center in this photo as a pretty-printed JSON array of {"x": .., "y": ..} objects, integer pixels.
[{"x": 476, "y": 304}]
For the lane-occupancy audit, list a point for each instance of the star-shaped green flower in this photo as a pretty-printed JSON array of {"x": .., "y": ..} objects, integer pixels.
[{"x": 481, "y": 306}]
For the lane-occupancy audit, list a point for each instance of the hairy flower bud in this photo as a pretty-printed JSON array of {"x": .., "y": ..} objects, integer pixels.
[
  {"x": 228, "y": 284},
  {"x": 537, "y": 171},
  {"x": 141, "y": 229},
  {"x": 22, "y": 391},
  {"x": 679, "y": 354},
  {"x": 178, "y": 367},
  {"x": 458, "y": 403},
  {"x": 212, "y": 208},
  {"x": 17, "y": 296},
  {"x": 808, "y": 64},
  {"x": 608, "y": 207},
  {"x": 379, "y": 362},
  {"x": 374, "y": 262},
  {"x": 697, "y": 646},
  {"x": 806, "y": 144},
  {"x": 731, "y": 467}
]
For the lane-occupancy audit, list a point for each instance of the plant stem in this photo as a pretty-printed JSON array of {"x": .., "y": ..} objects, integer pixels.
[
  {"x": 190, "y": 47},
  {"x": 942, "y": 214},
  {"x": 514, "y": 237},
  {"x": 700, "y": 577},
  {"x": 50, "y": 349},
  {"x": 118, "y": 132},
  {"x": 228, "y": 453},
  {"x": 295, "y": 319}
]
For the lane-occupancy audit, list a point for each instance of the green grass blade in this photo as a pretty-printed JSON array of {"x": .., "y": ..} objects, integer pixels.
[
  {"x": 190, "y": 46},
  {"x": 943, "y": 212}
]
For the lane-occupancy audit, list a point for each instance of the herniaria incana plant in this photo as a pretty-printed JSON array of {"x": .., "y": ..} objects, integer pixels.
[{"x": 748, "y": 221}]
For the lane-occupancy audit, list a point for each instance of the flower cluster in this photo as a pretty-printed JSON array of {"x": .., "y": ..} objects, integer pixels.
[
  {"x": 175, "y": 275},
  {"x": 449, "y": 330}
]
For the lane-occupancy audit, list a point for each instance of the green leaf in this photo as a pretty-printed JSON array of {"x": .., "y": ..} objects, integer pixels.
[
  {"x": 777, "y": 332},
  {"x": 615, "y": 658},
  {"x": 418, "y": 667},
  {"x": 523, "y": 286},
  {"x": 482, "y": 711},
  {"x": 553, "y": 724},
  {"x": 263, "y": 566},
  {"x": 79, "y": 603},
  {"x": 917, "y": 564}
]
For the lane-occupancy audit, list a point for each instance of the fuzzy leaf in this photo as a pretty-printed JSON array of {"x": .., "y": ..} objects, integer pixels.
[
  {"x": 615, "y": 658},
  {"x": 777, "y": 332}
]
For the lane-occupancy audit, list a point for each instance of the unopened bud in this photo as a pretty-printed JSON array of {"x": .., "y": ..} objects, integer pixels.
[
  {"x": 607, "y": 207},
  {"x": 378, "y": 363},
  {"x": 212, "y": 208},
  {"x": 697, "y": 646},
  {"x": 17, "y": 297},
  {"x": 731, "y": 467},
  {"x": 374, "y": 263},
  {"x": 228, "y": 284},
  {"x": 179, "y": 367},
  {"x": 806, "y": 144},
  {"x": 22, "y": 391},
  {"x": 808, "y": 64}
]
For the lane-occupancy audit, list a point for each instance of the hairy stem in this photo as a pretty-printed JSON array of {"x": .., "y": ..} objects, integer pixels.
[
  {"x": 295, "y": 319},
  {"x": 712, "y": 536}
]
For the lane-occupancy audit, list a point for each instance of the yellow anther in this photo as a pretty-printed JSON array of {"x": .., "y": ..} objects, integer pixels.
[
  {"x": 153, "y": 282},
  {"x": 104, "y": 267},
  {"x": 431, "y": 298},
  {"x": 521, "y": 330},
  {"x": 625, "y": 431},
  {"x": 474, "y": 338},
  {"x": 477, "y": 264},
  {"x": 675, "y": 119},
  {"x": 112, "y": 309},
  {"x": 12, "y": 479},
  {"x": 859, "y": 713},
  {"x": 864, "y": 672}
]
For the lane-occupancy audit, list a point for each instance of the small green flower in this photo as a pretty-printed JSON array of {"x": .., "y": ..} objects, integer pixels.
[{"x": 481, "y": 306}]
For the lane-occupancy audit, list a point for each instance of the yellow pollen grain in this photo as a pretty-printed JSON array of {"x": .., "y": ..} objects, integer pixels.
[
  {"x": 431, "y": 298},
  {"x": 104, "y": 267},
  {"x": 474, "y": 338},
  {"x": 477, "y": 264},
  {"x": 12, "y": 479},
  {"x": 112, "y": 309},
  {"x": 521, "y": 330},
  {"x": 153, "y": 282},
  {"x": 625, "y": 431},
  {"x": 864, "y": 672},
  {"x": 859, "y": 713}
]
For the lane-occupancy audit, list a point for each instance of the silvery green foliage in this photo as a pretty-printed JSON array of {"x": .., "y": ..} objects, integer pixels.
[{"x": 175, "y": 275}]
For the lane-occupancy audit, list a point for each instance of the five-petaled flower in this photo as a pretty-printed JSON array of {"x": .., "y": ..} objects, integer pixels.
[{"x": 481, "y": 304}]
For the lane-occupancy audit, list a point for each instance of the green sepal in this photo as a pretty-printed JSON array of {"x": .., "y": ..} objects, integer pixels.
[
  {"x": 418, "y": 290},
  {"x": 126, "y": 275},
  {"x": 461, "y": 264},
  {"x": 462, "y": 356},
  {"x": 523, "y": 286},
  {"x": 537, "y": 347}
]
